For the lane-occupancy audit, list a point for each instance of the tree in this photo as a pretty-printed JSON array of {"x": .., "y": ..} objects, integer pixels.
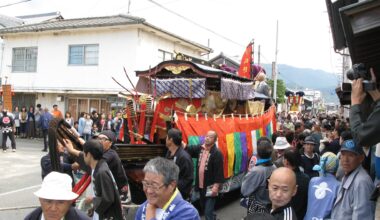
[{"x": 280, "y": 89}]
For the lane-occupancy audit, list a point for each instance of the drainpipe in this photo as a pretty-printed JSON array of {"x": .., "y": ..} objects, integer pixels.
[{"x": 1, "y": 66}]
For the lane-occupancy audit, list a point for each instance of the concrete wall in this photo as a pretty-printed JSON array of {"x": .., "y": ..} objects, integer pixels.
[{"x": 131, "y": 48}]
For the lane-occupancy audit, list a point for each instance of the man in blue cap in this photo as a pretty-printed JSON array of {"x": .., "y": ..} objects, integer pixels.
[{"x": 353, "y": 200}]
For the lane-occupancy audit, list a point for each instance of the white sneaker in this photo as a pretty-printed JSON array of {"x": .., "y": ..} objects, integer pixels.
[
  {"x": 13, "y": 150},
  {"x": 4, "y": 151}
]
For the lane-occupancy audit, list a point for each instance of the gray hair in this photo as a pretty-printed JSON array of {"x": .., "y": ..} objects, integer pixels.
[{"x": 164, "y": 167}]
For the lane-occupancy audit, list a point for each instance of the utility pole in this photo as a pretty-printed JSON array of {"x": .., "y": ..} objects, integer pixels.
[
  {"x": 129, "y": 6},
  {"x": 258, "y": 56},
  {"x": 275, "y": 67},
  {"x": 208, "y": 45}
]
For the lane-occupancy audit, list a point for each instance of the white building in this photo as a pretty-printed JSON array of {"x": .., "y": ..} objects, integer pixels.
[{"x": 70, "y": 62}]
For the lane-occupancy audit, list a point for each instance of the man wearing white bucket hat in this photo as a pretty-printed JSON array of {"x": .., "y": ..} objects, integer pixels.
[
  {"x": 56, "y": 197},
  {"x": 280, "y": 146}
]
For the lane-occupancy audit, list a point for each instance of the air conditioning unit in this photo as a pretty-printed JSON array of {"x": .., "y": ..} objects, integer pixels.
[{"x": 60, "y": 98}]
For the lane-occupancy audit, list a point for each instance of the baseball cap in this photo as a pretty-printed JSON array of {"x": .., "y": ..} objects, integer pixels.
[
  {"x": 56, "y": 186},
  {"x": 309, "y": 140},
  {"x": 350, "y": 145},
  {"x": 109, "y": 134}
]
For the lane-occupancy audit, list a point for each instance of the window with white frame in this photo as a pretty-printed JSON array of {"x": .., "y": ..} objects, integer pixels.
[
  {"x": 86, "y": 54},
  {"x": 164, "y": 55},
  {"x": 24, "y": 59}
]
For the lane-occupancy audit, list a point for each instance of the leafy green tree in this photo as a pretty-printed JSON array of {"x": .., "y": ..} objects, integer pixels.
[{"x": 280, "y": 89}]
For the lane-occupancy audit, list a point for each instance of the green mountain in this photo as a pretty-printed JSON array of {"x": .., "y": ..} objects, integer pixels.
[{"x": 302, "y": 78}]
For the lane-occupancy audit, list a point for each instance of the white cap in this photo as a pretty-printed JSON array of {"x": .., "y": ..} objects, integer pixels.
[
  {"x": 56, "y": 186},
  {"x": 281, "y": 143}
]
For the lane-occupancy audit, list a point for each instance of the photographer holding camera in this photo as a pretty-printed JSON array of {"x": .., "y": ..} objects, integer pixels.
[{"x": 365, "y": 131}]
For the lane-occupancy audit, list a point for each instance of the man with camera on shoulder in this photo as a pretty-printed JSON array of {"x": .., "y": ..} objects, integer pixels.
[{"x": 365, "y": 131}]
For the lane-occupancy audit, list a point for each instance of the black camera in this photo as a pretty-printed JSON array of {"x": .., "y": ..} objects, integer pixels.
[{"x": 360, "y": 71}]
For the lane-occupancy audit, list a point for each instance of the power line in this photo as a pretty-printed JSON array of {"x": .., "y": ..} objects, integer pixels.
[
  {"x": 196, "y": 24},
  {"x": 15, "y": 3},
  {"x": 146, "y": 8}
]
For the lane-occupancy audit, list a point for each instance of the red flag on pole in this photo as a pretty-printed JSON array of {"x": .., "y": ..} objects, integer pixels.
[{"x": 246, "y": 62}]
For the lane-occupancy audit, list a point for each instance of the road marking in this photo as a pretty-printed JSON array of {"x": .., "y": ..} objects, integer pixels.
[{"x": 19, "y": 190}]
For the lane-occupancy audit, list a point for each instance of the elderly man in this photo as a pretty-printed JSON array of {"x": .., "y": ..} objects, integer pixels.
[
  {"x": 183, "y": 161},
  {"x": 280, "y": 146},
  {"x": 282, "y": 187},
  {"x": 163, "y": 198},
  {"x": 209, "y": 173},
  {"x": 353, "y": 200},
  {"x": 56, "y": 198}
]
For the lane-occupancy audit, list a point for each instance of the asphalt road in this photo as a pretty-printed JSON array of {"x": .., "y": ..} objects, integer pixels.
[{"x": 20, "y": 176}]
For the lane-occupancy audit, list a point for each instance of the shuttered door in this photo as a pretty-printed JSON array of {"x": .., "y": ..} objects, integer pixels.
[
  {"x": 83, "y": 105},
  {"x": 94, "y": 105},
  {"x": 73, "y": 108},
  {"x": 23, "y": 99}
]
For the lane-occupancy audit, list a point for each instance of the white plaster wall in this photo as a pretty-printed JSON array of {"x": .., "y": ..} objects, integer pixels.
[
  {"x": 131, "y": 48},
  {"x": 48, "y": 100}
]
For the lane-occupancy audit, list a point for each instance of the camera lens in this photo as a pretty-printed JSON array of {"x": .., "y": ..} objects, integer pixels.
[{"x": 350, "y": 74}]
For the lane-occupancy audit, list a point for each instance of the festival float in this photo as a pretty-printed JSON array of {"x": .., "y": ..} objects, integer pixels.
[{"x": 194, "y": 98}]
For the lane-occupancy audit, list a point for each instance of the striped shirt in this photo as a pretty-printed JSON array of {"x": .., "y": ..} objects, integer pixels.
[{"x": 284, "y": 213}]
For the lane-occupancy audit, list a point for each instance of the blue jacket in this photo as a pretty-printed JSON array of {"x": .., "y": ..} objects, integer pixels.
[
  {"x": 177, "y": 209},
  {"x": 45, "y": 119},
  {"x": 353, "y": 200},
  {"x": 81, "y": 124},
  {"x": 322, "y": 193}
]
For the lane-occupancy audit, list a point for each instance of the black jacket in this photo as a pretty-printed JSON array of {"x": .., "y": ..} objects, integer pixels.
[
  {"x": 46, "y": 167},
  {"x": 309, "y": 163},
  {"x": 365, "y": 132},
  {"x": 114, "y": 164},
  {"x": 72, "y": 214},
  {"x": 186, "y": 171},
  {"x": 299, "y": 200},
  {"x": 116, "y": 167},
  {"x": 284, "y": 213},
  {"x": 107, "y": 200},
  {"x": 214, "y": 165}
]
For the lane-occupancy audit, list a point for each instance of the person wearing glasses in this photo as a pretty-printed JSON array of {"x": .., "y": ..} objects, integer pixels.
[{"x": 164, "y": 201}]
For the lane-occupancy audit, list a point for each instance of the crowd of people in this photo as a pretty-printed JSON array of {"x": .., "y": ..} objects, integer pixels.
[
  {"x": 333, "y": 174},
  {"x": 34, "y": 123},
  {"x": 312, "y": 168}
]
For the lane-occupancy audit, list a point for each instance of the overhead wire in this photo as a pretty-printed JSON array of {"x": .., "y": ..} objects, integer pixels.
[
  {"x": 197, "y": 24},
  {"x": 14, "y": 3}
]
